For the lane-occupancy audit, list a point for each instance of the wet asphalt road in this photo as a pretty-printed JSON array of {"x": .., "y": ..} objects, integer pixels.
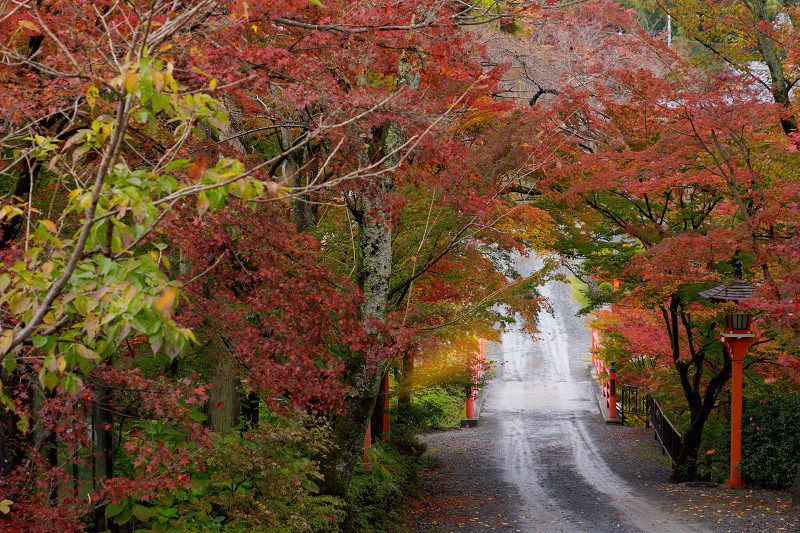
[{"x": 537, "y": 417}]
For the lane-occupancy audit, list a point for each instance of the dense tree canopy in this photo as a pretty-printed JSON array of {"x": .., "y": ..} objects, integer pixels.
[{"x": 220, "y": 212}]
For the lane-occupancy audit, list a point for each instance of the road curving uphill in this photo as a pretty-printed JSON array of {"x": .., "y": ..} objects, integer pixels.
[{"x": 542, "y": 459}]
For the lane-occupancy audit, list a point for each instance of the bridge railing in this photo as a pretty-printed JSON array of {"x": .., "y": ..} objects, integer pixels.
[
  {"x": 633, "y": 404},
  {"x": 671, "y": 440}
]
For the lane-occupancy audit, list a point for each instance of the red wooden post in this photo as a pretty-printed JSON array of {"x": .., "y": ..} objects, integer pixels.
[
  {"x": 595, "y": 347},
  {"x": 612, "y": 391},
  {"x": 475, "y": 374},
  {"x": 737, "y": 342}
]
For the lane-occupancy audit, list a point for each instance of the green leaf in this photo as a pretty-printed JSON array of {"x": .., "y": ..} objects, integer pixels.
[
  {"x": 10, "y": 363},
  {"x": 159, "y": 102},
  {"x": 179, "y": 163},
  {"x": 168, "y": 499},
  {"x": 72, "y": 384},
  {"x": 113, "y": 509},
  {"x": 38, "y": 342},
  {"x": 5, "y": 281},
  {"x": 23, "y": 424},
  {"x": 215, "y": 198},
  {"x": 310, "y": 486},
  {"x": 141, "y": 512},
  {"x": 124, "y": 516},
  {"x": 103, "y": 264},
  {"x": 156, "y": 341},
  {"x": 197, "y": 416},
  {"x": 87, "y": 353},
  {"x": 50, "y": 380}
]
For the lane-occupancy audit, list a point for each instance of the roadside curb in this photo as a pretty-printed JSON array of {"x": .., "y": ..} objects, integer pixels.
[
  {"x": 599, "y": 398},
  {"x": 478, "y": 405}
]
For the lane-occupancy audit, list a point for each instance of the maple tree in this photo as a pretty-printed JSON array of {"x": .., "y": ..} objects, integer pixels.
[
  {"x": 277, "y": 199},
  {"x": 747, "y": 35},
  {"x": 130, "y": 196},
  {"x": 684, "y": 168},
  {"x": 441, "y": 66}
]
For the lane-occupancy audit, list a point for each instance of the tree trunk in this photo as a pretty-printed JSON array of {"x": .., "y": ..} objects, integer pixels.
[
  {"x": 363, "y": 373},
  {"x": 780, "y": 88},
  {"x": 350, "y": 427},
  {"x": 294, "y": 179},
  {"x": 685, "y": 466},
  {"x": 103, "y": 436},
  {"x": 223, "y": 402},
  {"x": 700, "y": 402}
]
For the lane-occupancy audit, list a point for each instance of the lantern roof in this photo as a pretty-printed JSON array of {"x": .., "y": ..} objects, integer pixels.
[{"x": 732, "y": 291}]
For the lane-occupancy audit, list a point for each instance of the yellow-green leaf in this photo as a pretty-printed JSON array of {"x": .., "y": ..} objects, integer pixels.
[
  {"x": 48, "y": 224},
  {"x": 28, "y": 25},
  {"x": 91, "y": 96},
  {"x": 202, "y": 204},
  {"x": 5, "y": 506},
  {"x": 165, "y": 299},
  {"x": 92, "y": 325},
  {"x": 22, "y": 423},
  {"x": 87, "y": 353},
  {"x": 131, "y": 82}
]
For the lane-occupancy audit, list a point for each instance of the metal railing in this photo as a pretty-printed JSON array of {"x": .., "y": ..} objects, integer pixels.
[
  {"x": 633, "y": 404},
  {"x": 671, "y": 440}
]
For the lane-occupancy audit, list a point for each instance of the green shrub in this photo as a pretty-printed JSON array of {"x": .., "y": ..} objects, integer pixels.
[
  {"x": 771, "y": 441},
  {"x": 376, "y": 493},
  {"x": 433, "y": 409},
  {"x": 406, "y": 441},
  {"x": 260, "y": 481}
]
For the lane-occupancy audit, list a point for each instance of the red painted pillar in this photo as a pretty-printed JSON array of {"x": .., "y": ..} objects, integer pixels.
[
  {"x": 595, "y": 347},
  {"x": 737, "y": 346},
  {"x": 603, "y": 379},
  {"x": 475, "y": 374},
  {"x": 612, "y": 391}
]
